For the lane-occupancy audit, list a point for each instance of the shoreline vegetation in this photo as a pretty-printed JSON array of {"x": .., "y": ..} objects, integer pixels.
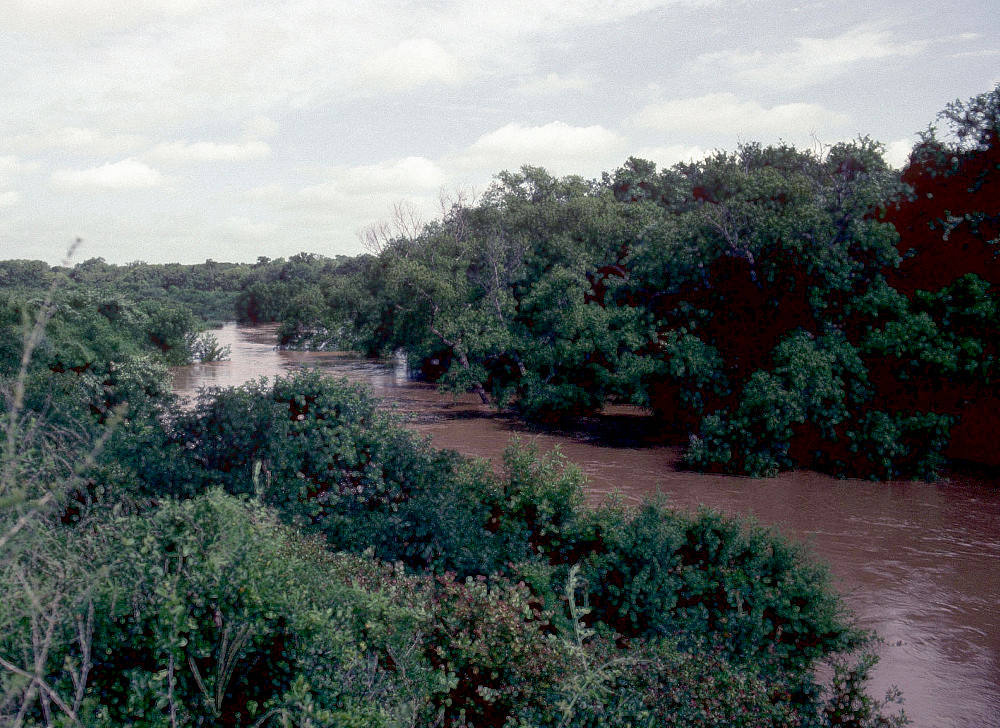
[
  {"x": 777, "y": 309},
  {"x": 285, "y": 553}
]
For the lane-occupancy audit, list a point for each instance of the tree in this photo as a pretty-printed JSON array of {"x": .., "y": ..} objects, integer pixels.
[
  {"x": 750, "y": 278},
  {"x": 949, "y": 223}
]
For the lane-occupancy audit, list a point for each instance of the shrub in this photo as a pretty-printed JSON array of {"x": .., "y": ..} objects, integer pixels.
[
  {"x": 215, "y": 613},
  {"x": 320, "y": 451},
  {"x": 656, "y": 684},
  {"x": 752, "y": 594},
  {"x": 534, "y": 503},
  {"x": 492, "y": 639}
]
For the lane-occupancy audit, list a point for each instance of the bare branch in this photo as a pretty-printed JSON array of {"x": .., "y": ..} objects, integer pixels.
[
  {"x": 38, "y": 683},
  {"x": 85, "y": 633},
  {"x": 404, "y": 224}
]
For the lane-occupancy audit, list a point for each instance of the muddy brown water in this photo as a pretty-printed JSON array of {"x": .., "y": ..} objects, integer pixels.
[{"x": 918, "y": 562}]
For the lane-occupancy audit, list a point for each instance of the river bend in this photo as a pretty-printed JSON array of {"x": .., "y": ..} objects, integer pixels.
[{"x": 918, "y": 562}]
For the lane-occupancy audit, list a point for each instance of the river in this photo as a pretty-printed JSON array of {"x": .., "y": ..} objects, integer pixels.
[{"x": 918, "y": 562}]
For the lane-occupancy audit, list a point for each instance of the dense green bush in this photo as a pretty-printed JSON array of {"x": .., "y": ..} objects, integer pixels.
[
  {"x": 750, "y": 593},
  {"x": 210, "y": 612},
  {"x": 321, "y": 451},
  {"x": 216, "y": 609},
  {"x": 214, "y": 613},
  {"x": 656, "y": 684},
  {"x": 494, "y": 642}
]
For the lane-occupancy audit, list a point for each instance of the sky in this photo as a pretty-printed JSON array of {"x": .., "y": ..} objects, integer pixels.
[{"x": 181, "y": 130}]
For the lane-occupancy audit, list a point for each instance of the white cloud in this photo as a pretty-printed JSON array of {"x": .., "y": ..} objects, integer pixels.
[
  {"x": 488, "y": 21},
  {"x": 244, "y": 227},
  {"x": 150, "y": 63},
  {"x": 811, "y": 60},
  {"x": 553, "y": 83},
  {"x": 897, "y": 153},
  {"x": 668, "y": 156},
  {"x": 85, "y": 17},
  {"x": 11, "y": 166},
  {"x": 727, "y": 114},
  {"x": 985, "y": 53},
  {"x": 557, "y": 145},
  {"x": 155, "y": 64},
  {"x": 126, "y": 174},
  {"x": 259, "y": 127},
  {"x": 350, "y": 198},
  {"x": 411, "y": 175},
  {"x": 271, "y": 191},
  {"x": 412, "y": 63},
  {"x": 210, "y": 151},
  {"x": 77, "y": 139}
]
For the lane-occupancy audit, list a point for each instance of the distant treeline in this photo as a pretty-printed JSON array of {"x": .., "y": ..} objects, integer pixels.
[
  {"x": 775, "y": 308},
  {"x": 214, "y": 292}
]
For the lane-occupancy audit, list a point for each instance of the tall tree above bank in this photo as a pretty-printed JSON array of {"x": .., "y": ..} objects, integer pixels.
[{"x": 949, "y": 227}]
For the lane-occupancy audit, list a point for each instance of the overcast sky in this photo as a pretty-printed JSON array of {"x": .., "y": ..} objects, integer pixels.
[{"x": 180, "y": 130}]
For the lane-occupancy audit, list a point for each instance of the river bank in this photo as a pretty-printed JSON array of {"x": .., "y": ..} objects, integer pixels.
[{"x": 918, "y": 562}]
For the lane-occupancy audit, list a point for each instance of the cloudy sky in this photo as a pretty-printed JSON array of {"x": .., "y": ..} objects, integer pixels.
[{"x": 178, "y": 130}]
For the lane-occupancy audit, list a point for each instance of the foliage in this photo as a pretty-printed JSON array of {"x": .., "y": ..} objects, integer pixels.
[
  {"x": 329, "y": 460},
  {"x": 46, "y": 584},
  {"x": 215, "y": 613},
  {"x": 656, "y": 684},
  {"x": 285, "y": 553},
  {"x": 757, "y": 597},
  {"x": 211, "y": 610},
  {"x": 534, "y": 506},
  {"x": 848, "y": 704},
  {"x": 949, "y": 224},
  {"x": 492, "y": 642}
]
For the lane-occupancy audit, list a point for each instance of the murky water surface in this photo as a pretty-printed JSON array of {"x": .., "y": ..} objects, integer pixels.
[{"x": 918, "y": 562}]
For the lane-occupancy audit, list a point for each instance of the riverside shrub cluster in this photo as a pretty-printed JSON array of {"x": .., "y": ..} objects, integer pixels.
[{"x": 285, "y": 553}]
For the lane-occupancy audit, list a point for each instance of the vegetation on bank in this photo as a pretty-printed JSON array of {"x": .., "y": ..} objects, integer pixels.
[
  {"x": 775, "y": 308},
  {"x": 284, "y": 553},
  {"x": 772, "y": 308}
]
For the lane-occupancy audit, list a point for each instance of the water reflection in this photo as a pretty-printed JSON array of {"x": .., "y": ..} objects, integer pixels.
[{"x": 918, "y": 562}]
